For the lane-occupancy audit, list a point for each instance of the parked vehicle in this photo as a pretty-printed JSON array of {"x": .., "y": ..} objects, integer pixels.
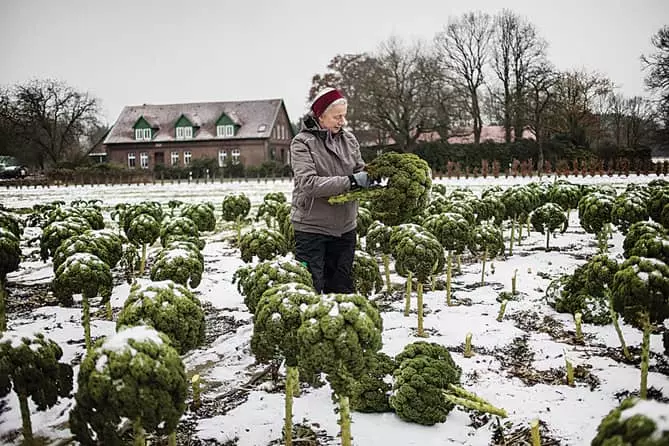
[{"x": 11, "y": 168}]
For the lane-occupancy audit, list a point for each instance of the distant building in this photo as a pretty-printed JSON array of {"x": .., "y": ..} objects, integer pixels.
[{"x": 247, "y": 132}]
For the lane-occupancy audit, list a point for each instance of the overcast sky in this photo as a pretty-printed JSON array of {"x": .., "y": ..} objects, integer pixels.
[{"x": 134, "y": 52}]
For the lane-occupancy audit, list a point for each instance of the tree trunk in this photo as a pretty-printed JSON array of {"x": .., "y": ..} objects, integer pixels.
[
  {"x": 25, "y": 418},
  {"x": 476, "y": 116}
]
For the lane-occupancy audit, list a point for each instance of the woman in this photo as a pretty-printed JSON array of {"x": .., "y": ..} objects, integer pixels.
[{"x": 326, "y": 161}]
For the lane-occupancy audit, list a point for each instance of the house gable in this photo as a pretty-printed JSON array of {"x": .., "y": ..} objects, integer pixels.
[
  {"x": 184, "y": 128},
  {"x": 143, "y": 130},
  {"x": 226, "y": 127},
  {"x": 142, "y": 123},
  {"x": 183, "y": 121}
]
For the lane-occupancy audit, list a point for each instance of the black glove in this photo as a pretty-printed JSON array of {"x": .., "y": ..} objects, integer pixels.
[{"x": 359, "y": 180}]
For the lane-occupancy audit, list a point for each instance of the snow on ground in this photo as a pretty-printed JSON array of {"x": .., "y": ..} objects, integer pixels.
[{"x": 571, "y": 414}]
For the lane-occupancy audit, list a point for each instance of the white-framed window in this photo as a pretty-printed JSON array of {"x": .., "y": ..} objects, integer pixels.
[
  {"x": 144, "y": 160},
  {"x": 143, "y": 134},
  {"x": 235, "y": 156},
  {"x": 184, "y": 132},
  {"x": 131, "y": 159},
  {"x": 187, "y": 157},
  {"x": 222, "y": 157},
  {"x": 174, "y": 158},
  {"x": 225, "y": 130}
]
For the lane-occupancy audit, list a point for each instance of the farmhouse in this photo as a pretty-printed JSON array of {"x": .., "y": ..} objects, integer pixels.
[{"x": 173, "y": 135}]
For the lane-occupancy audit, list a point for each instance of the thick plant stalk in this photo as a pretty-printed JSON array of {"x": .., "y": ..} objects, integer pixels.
[
  {"x": 513, "y": 282},
  {"x": 616, "y": 325},
  {"x": 108, "y": 309},
  {"x": 513, "y": 227},
  {"x": 502, "y": 309},
  {"x": 195, "y": 385},
  {"x": 140, "y": 435},
  {"x": 142, "y": 263},
  {"x": 458, "y": 395},
  {"x": 25, "y": 418},
  {"x": 579, "y": 331},
  {"x": 468, "y": 353},
  {"x": 449, "y": 268},
  {"x": 520, "y": 233},
  {"x": 536, "y": 436},
  {"x": 87, "y": 322},
  {"x": 345, "y": 421},
  {"x": 458, "y": 258},
  {"x": 407, "y": 301},
  {"x": 386, "y": 269},
  {"x": 238, "y": 227},
  {"x": 3, "y": 311},
  {"x": 602, "y": 241},
  {"x": 529, "y": 226},
  {"x": 645, "y": 347},
  {"x": 419, "y": 292},
  {"x": 548, "y": 239},
  {"x": 485, "y": 257},
  {"x": 570, "y": 372},
  {"x": 172, "y": 439},
  {"x": 292, "y": 377}
]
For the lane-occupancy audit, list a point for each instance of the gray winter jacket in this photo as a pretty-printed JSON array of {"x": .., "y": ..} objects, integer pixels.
[{"x": 321, "y": 165}]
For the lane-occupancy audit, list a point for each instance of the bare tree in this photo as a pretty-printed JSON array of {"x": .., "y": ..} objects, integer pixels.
[
  {"x": 49, "y": 118},
  {"x": 657, "y": 79},
  {"x": 576, "y": 94},
  {"x": 516, "y": 51},
  {"x": 348, "y": 73},
  {"x": 616, "y": 110},
  {"x": 464, "y": 47},
  {"x": 541, "y": 82},
  {"x": 639, "y": 120}
]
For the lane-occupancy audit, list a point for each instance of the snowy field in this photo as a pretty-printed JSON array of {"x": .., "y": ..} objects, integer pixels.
[{"x": 518, "y": 363}]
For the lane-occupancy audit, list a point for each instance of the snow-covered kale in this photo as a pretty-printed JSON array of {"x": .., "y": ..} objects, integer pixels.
[
  {"x": 424, "y": 372},
  {"x": 635, "y": 422},
  {"x": 263, "y": 243},
  {"x": 366, "y": 275},
  {"x": 30, "y": 366},
  {"x": 169, "y": 308},
  {"x": 253, "y": 281},
  {"x": 134, "y": 374}
]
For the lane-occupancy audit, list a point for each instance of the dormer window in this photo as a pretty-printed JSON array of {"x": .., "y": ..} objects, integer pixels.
[
  {"x": 185, "y": 132},
  {"x": 143, "y": 134},
  {"x": 225, "y": 131},
  {"x": 143, "y": 130}
]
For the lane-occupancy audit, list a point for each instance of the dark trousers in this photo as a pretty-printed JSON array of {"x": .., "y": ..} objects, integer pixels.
[{"x": 329, "y": 259}]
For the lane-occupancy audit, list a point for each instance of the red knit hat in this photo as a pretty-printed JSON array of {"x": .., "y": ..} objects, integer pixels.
[{"x": 323, "y": 100}]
